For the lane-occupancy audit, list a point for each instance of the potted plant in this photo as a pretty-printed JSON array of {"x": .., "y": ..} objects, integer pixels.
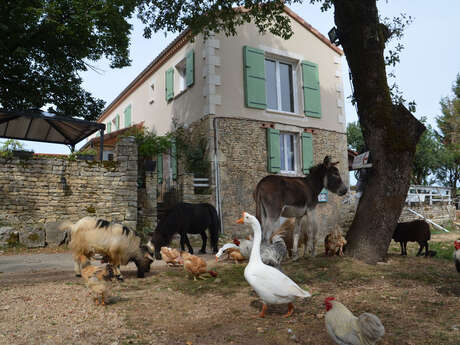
[
  {"x": 88, "y": 154},
  {"x": 14, "y": 148}
]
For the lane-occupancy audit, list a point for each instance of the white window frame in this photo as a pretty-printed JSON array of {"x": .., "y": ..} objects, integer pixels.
[
  {"x": 284, "y": 135},
  {"x": 294, "y": 65},
  {"x": 181, "y": 68}
]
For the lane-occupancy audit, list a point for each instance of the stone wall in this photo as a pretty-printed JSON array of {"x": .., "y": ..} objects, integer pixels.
[
  {"x": 438, "y": 213},
  {"x": 45, "y": 190},
  {"x": 147, "y": 203},
  {"x": 242, "y": 148}
]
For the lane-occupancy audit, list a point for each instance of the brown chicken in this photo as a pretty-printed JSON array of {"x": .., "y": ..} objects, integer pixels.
[
  {"x": 346, "y": 329},
  {"x": 170, "y": 256},
  {"x": 96, "y": 278},
  {"x": 333, "y": 243},
  {"x": 195, "y": 265},
  {"x": 235, "y": 254}
]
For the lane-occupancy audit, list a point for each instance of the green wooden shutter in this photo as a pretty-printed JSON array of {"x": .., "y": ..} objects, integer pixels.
[
  {"x": 160, "y": 168},
  {"x": 109, "y": 127},
  {"x": 311, "y": 90},
  {"x": 307, "y": 152},
  {"x": 254, "y": 78},
  {"x": 273, "y": 150},
  {"x": 174, "y": 160},
  {"x": 128, "y": 116},
  {"x": 189, "y": 68},
  {"x": 169, "y": 84},
  {"x": 117, "y": 122}
]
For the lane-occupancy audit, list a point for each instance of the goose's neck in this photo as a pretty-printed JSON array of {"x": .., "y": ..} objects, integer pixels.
[{"x": 255, "y": 252}]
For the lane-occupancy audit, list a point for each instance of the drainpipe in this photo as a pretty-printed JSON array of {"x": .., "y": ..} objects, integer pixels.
[{"x": 216, "y": 173}]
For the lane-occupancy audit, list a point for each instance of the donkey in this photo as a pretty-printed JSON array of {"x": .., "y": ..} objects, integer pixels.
[{"x": 297, "y": 197}]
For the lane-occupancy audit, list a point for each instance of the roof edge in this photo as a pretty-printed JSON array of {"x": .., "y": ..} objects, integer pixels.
[
  {"x": 310, "y": 28},
  {"x": 178, "y": 43}
]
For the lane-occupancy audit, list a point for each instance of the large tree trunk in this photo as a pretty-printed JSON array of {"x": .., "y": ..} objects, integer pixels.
[{"x": 391, "y": 132}]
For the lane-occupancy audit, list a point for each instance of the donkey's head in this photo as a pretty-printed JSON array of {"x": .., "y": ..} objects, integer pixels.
[{"x": 332, "y": 179}]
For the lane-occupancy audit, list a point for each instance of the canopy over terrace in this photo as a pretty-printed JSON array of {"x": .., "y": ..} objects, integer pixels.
[{"x": 38, "y": 125}]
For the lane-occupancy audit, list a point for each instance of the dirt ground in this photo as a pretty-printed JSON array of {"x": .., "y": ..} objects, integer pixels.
[{"x": 416, "y": 298}]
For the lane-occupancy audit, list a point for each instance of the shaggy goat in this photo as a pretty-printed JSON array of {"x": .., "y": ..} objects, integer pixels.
[
  {"x": 118, "y": 244},
  {"x": 415, "y": 231}
]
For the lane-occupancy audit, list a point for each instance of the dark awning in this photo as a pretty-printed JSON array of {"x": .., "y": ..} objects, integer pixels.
[{"x": 37, "y": 125}]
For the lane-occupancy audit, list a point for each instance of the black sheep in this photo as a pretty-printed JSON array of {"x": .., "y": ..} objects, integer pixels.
[{"x": 415, "y": 231}]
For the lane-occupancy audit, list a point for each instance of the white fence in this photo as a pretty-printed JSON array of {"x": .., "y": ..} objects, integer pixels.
[{"x": 428, "y": 194}]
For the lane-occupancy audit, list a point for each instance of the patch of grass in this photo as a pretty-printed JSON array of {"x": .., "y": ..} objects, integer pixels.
[
  {"x": 443, "y": 250},
  {"x": 229, "y": 280}
]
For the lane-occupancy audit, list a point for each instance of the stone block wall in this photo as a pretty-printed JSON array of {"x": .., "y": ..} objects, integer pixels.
[
  {"x": 438, "y": 213},
  {"x": 42, "y": 190},
  {"x": 147, "y": 200},
  {"x": 242, "y": 147}
]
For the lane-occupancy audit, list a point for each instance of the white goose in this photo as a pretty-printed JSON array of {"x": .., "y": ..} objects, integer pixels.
[{"x": 272, "y": 286}]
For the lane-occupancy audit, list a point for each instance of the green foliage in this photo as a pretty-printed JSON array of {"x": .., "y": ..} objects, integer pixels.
[
  {"x": 217, "y": 16},
  {"x": 194, "y": 154},
  {"x": 10, "y": 145},
  {"x": 448, "y": 172},
  {"x": 427, "y": 157},
  {"x": 149, "y": 144},
  {"x": 45, "y": 44},
  {"x": 355, "y": 139},
  {"x": 87, "y": 151}
]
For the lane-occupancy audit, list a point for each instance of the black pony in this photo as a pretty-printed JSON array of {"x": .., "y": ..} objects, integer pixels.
[{"x": 186, "y": 219}]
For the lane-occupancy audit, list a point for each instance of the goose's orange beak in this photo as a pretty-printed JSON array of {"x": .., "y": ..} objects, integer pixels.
[{"x": 241, "y": 220}]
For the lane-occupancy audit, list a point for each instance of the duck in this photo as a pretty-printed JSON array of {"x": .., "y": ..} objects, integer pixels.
[{"x": 270, "y": 284}]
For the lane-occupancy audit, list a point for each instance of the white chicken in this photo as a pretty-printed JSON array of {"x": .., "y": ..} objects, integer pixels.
[
  {"x": 457, "y": 255},
  {"x": 224, "y": 250},
  {"x": 346, "y": 329}
]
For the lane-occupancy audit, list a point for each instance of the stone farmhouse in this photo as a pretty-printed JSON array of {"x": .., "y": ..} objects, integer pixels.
[{"x": 263, "y": 105}]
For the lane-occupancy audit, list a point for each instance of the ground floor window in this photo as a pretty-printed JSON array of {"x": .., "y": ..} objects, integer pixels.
[{"x": 288, "y": 150}]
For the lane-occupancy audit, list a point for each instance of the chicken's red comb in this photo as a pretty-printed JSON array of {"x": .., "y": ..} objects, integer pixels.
[
  {"x": 328, "y": 299},
  {"x": 236, "y": 241},
  {"x": 457, "y": 244}
]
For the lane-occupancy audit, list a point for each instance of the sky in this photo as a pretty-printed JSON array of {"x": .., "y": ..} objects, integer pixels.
[{"x": 429, "y": 63}]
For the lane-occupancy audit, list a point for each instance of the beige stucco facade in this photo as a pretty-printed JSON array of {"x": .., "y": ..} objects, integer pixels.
[{"x": 218, "y": 82}]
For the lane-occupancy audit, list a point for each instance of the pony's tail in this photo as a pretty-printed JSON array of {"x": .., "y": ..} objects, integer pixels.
[
  {"x": 260, "y": 210},
  {"x": 215, "y": 229}
]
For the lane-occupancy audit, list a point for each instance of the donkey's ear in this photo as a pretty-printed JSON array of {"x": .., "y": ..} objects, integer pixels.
[{"x": 327, "y": 161}]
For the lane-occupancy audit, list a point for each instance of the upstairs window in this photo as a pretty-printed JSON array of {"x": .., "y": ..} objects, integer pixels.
[
  {"x": 279, "y": 85},
  {"x": 181, "y": 72}
]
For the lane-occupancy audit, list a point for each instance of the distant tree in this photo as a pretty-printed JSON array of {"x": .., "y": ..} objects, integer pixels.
[
  {"x": 427, "y": 156},
  {"x": 355, "y": 138},
  {"x": 44, "y": 44},
  {"x": 390, "y": 131},
  {"x": 449, "y": 125}
]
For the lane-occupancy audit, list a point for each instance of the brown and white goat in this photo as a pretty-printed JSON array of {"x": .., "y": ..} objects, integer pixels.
[{"x": 117, "y": 243}]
